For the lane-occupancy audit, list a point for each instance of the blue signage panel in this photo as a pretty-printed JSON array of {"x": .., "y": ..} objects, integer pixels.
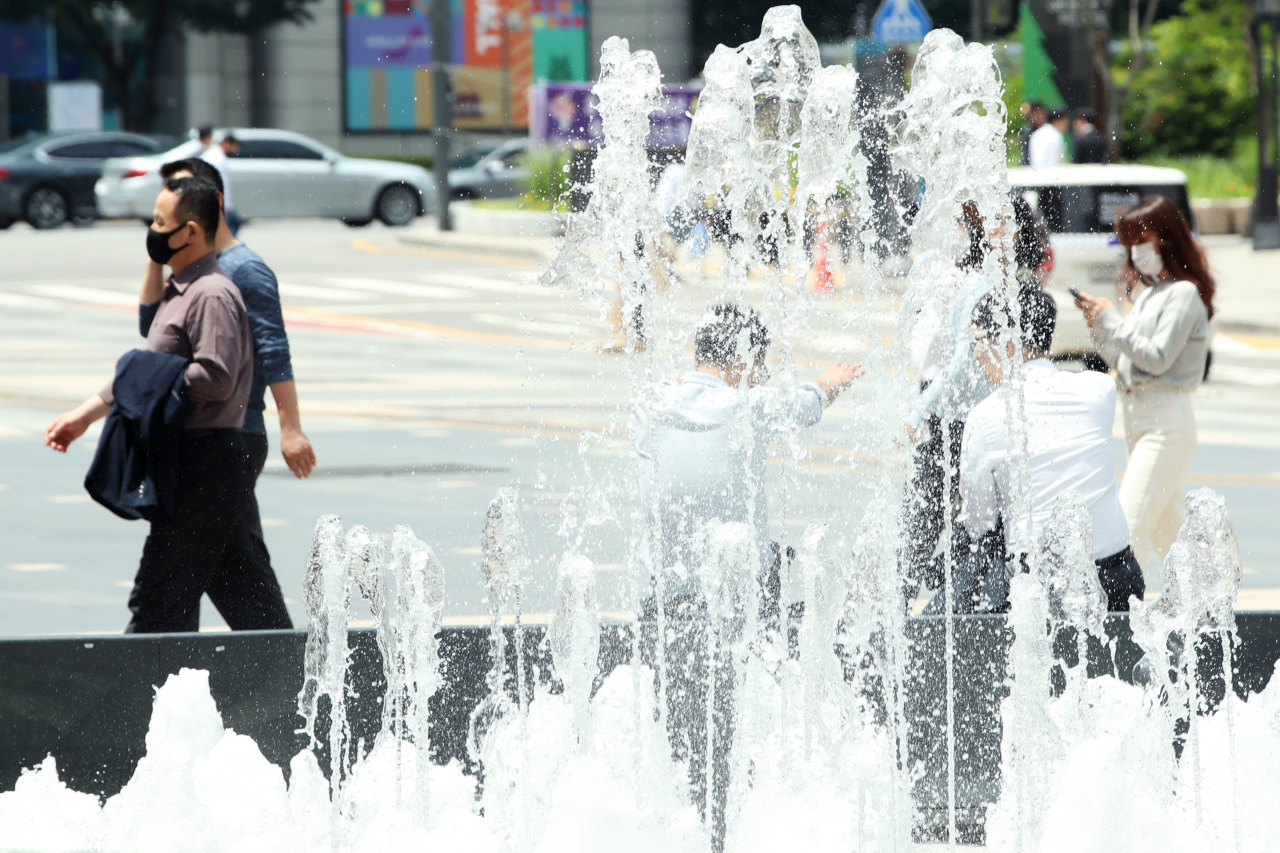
[
  {"x": 901, "y": 22},
  {"x": 24, "y": 50}
]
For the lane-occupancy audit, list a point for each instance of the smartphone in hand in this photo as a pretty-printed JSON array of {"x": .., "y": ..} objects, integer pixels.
[{"x": 1075, "y": 293}]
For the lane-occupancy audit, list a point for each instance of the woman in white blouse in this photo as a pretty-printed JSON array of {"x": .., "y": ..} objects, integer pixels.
[{"x": 1158, "y": 353}]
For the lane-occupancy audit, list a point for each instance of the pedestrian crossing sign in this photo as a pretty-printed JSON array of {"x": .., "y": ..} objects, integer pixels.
[{"x": 900, "y": 22}]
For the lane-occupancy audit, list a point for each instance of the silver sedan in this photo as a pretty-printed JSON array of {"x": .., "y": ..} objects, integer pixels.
[{"x": 278, "y": 173}]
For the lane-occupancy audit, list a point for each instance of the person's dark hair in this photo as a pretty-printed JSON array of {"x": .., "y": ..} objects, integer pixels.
[
  {"x": 198, "y": 169},
  {"x": 230, "y": 137},
  {"x": 730, "y": 335},
  {"x": 974, "y": 227},
  {"x": 1031, "y": 242},
  {"x": 1036, "y": 105},
  {"x": 203, "y": 130},
  {"x": 197, "y": 202},
  {"x": 1088, "y": 115},
  {"x": 1056, "y": 113},
  {"x": 1182, "y": 255},
  {"x": 1036, "y": 310}
]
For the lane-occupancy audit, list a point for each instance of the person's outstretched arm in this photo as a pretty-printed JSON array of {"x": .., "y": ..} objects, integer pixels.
[{"x": 836, "y": 378}]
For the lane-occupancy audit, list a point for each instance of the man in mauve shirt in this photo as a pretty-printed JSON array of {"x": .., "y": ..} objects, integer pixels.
[{"x": 201, "y": 317}]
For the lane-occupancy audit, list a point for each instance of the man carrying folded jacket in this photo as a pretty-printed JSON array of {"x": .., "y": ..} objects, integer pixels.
[{"x": 202, "y": 318}]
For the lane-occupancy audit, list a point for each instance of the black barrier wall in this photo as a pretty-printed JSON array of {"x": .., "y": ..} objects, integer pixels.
[{"x": 87, "y": 701}]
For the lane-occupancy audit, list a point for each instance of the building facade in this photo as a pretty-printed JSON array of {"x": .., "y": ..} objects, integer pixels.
[{"x": 291, "y": 76}]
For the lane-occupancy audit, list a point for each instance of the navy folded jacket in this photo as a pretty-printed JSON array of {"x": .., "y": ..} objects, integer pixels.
[{"x": 135, "y": 468}]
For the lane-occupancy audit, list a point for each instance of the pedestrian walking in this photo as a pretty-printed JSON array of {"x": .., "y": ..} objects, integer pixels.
[
  {"x": 216, "y": 156},
  {"x": 1158, "y": 353},
  {"x": 1033, "y": 118},
  {"x": 1047, "y": 146},
  {"x": 1088, "y": 145},
  {"x": 201, "y": 318},
  {"x": 1066, "y": 420},
  {"x": 272, "y": 368}
]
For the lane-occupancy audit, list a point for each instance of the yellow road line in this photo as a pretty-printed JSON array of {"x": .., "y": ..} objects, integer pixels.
[{"x": 1260, "y": 341}]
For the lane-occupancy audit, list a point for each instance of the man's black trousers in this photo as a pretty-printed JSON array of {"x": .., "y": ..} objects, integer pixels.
[{"x": 213, "y": 543}]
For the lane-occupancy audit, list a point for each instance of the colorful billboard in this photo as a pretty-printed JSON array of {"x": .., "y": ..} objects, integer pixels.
[
  {"x": 499, "y": 47},
  {"x": 565, "y": 113}
]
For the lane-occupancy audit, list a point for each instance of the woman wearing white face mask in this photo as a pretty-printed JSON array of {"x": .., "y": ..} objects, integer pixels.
[{"x": 1158, "y": 353}]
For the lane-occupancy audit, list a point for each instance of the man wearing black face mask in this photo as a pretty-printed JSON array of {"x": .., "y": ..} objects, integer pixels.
[{"x": 202, "y": 318}]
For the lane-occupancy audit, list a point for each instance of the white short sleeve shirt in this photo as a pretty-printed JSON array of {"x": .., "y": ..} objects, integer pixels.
[{"x": 1068, "y": 420}]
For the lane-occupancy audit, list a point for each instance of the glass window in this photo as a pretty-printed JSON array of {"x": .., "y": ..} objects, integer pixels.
[
  {"x": 277, "y": 149},
  {"x": 1176, "y": 193},
  {"x": 97, "y": 149},
  {"x": 132, "y": 148},
  {"x": 1079, "y": 210},
  {"x": 471, "y": 157},
  {"x": 1115, "y": 202}
]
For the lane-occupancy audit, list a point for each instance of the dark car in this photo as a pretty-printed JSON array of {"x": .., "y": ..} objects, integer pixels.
[
  {"x": 48, "y": 179},
  {"x": 498, "y": 171}
]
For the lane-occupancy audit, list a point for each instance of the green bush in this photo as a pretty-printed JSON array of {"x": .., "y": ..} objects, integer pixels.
[
  {"x": 548, "y": 175},
  {"x": 1193, "y": 96},
  {"x": 1216, "y": 177}
]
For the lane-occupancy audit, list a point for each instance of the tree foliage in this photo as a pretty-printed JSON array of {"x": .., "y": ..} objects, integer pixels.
[
  {"x": 1193, "y": 96},
  {"x": 128, "y": 36}
]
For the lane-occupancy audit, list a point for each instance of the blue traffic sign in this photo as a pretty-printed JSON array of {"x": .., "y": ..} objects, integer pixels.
[{"x": 900, "y": 22}]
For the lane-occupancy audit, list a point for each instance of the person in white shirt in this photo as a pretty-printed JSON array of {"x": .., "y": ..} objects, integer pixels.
[
  {"x": 703, "y": 438},
  {"x": 702, "y": 443},
  {"x": 216, "y": 156},
  {"x": 1047, "y": 146},
  {"x": 1067, "y": 418}
]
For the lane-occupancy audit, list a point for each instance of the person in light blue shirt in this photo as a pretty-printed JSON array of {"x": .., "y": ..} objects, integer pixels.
[{"x": 247, "y": 562}]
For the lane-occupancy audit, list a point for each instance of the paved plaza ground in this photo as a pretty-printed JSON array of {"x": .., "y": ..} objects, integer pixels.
[{"x": 430, "y": 375}]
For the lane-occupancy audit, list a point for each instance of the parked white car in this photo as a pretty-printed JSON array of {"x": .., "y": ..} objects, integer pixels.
[
  {"x": 1080, "y": 205},
  {"x": 279, "y": 173}
]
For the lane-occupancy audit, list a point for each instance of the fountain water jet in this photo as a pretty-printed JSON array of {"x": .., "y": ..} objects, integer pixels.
[{"x": 790, "y": 715}]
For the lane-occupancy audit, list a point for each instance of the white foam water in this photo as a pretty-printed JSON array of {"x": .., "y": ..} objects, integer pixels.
[{"x": 734, "y": 726}]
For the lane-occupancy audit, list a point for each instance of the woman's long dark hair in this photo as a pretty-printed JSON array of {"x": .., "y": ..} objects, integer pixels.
[
  {"x": 1182, "y": 255},
  {"x": 1030, "y": 242}
]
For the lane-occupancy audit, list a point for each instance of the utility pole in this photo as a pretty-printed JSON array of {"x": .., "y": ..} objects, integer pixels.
[
  {"x": 978, "y": 19},
  {"x": 441, "y": 105},
  {"x": 1266, "y": 221}
]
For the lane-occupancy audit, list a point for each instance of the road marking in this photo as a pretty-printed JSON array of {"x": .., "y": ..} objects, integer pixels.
[
  {"x": 69, "y": 499},
  {"x": 576, "y": 330},
  {"x": 36, "y": 567},
  {"x": 1258, "y": 599},
  {"x": 333, "y": 294},
  {"x": 76, "y": 293},
  {"x": 467, "y": 257},
  {"x": 1249, "y": 342},
  {"x": 1198, "y": 479},
  {"x": 21, "y": 300},
  {"x": 398, "y": 288},
  {"x": 481, "y": 282},
  {"x": 346, "y": 322}
]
